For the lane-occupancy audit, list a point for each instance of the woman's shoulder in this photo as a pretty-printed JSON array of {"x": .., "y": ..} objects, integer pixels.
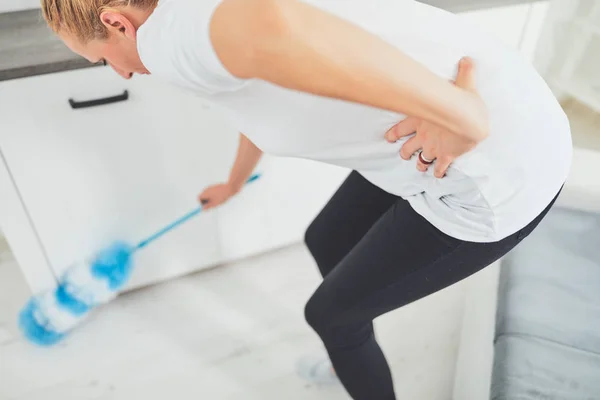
[{"x": 174, "y": 44}]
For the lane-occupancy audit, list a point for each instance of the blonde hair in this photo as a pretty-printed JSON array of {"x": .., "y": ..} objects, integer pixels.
[{"x": 82, "y": 17}]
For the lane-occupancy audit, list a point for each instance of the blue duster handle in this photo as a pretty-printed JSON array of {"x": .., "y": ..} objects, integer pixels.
[
  {"x": 167, "y": 229},
  {"x": 178, "y": 222}
]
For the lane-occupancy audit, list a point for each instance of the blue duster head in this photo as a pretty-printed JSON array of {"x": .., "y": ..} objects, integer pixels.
[
  {"x": 47, "y": 318},
  {"x": 114, "y": 264}
]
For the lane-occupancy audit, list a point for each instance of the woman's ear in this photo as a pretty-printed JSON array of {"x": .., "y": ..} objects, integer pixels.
[{"x": 118, "y": 23}]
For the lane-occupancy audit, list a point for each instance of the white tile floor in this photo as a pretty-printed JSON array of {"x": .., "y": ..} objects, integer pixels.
[{"x": 234, "y": 332}]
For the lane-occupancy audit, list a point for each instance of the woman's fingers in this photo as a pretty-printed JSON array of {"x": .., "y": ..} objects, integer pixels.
[
  {"x": 402, "y": 129},
  {"x": 441, "y": 166},
  {"x": 411, "y": 146},
  {"x": 414, "y": 145},
  {"x": 425, "y": 159},
  {"x": 465, "y": 77}
]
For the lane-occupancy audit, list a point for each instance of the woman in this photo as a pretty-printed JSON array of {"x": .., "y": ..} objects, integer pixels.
[{"x": 482, "y": 156}]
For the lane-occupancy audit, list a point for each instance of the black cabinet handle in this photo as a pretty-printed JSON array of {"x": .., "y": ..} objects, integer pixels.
[{"x": 99, "y": 102}]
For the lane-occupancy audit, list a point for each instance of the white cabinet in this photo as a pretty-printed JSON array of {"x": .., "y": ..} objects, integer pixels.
[
  {"x": 120, "y": 171},
  {"x": 78, "y": 179},
  {"x": 570, "y": 48},
  {"x": 505, "y": 23},
  {"x": 275, "y": 211},
  {"x": 518, "y": 26}
]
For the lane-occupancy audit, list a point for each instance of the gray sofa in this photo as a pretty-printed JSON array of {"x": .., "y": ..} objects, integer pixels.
[{"x": 547, "y": 339}]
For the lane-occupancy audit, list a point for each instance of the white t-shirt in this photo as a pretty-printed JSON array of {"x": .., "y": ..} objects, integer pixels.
[{"x": 487, "y": 194}]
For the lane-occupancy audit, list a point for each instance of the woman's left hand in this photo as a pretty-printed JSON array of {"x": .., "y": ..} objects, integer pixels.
[{"x": 434, "y": 144}]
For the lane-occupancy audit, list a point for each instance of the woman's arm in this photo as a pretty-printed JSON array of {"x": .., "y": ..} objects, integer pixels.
[
  {"x": 297, "y": 46},
  {"x": 248, "y": 156}
]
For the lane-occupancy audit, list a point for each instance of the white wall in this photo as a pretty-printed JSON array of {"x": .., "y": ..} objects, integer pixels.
[{"x": 16, "y": 5}]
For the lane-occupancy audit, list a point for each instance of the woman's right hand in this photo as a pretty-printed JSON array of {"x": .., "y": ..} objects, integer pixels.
[
  {"x": 440, "y": 146},
  {"x": 247, "y": 157},
  {"x": 216, "y": 195}
]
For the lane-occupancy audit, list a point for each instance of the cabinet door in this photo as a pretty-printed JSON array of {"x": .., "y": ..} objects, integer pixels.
[
  {"x": 118, "y": 171},
  {"x": 274, "y": 211},
  {"x": 299, "y": 190}
]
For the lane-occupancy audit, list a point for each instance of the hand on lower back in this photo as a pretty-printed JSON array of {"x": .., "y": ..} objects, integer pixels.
[
  {"x": 434, "y": 142},
  {"x": 216, "y": 195}
]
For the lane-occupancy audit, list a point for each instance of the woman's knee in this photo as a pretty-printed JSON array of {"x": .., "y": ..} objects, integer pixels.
[
  {"x": 316, "y": 313},
  {"x": 336, "y": 331}
]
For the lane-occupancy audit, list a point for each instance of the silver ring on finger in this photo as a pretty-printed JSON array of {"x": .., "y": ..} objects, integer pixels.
[{"x": 424, "y": 160}]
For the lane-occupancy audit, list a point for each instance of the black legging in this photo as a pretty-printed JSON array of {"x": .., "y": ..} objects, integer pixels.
[{"x": 376, "y": 254}]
